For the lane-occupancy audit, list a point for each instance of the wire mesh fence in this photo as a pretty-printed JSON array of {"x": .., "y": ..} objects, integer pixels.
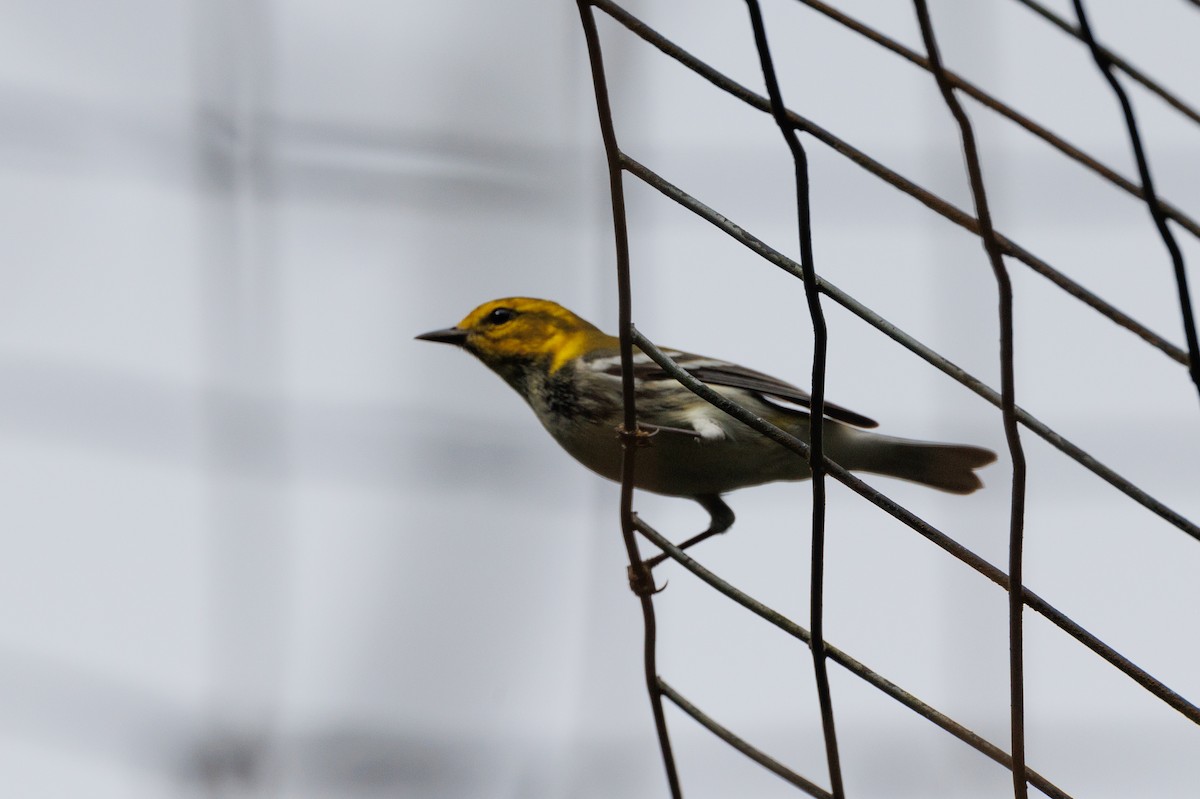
[{"x": 1002, "y": 252}]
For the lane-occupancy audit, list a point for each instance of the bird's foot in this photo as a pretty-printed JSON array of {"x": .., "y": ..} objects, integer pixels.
[{"x": 645, "y": 432}]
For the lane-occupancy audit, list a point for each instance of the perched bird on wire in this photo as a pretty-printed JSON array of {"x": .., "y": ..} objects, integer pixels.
[{"x": 569, "y": 371}]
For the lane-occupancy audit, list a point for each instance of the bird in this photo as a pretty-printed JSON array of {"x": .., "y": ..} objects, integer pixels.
[{"x": 569, "y": 372}]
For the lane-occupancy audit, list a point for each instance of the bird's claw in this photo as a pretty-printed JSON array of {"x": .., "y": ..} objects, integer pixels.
[
  {"x": 639, "y": 438},
  {"x": 645, "y": 432}
]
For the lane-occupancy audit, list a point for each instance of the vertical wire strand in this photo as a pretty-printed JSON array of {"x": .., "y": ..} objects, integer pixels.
[
  {"x": 1105, "y": 63},
  {"x": 1016, "y": 588},
  {"x": 640, "y": 578},
  {"x": 816, "y": 456}
]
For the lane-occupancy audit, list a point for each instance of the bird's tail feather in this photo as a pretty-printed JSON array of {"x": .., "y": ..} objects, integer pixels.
[{"x": 949, "y": 467}]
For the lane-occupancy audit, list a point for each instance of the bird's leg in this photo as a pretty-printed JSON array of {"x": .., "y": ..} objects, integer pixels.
[{"x": 720, "y": 520}]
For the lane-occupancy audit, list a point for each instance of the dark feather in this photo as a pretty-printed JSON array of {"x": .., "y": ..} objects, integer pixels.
[{"x": 728, "y": 374}]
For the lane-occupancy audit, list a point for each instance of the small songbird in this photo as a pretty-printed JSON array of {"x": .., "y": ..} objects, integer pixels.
[{"x": 569, "y": 371}]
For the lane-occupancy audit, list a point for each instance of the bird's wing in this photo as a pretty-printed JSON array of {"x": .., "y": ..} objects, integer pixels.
[
  {"x": 719, "y": 373},
  {"x": 723, "y": 373}
]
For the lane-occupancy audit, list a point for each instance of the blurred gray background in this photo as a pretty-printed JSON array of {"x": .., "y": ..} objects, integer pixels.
[{"x": 259, "y": 542}]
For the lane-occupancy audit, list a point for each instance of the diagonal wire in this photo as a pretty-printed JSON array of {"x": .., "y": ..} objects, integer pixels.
[
  {"x": 1105, "y": 64},
  {"x": 855, "y": 667},
  {"x": 816, "y": 458},
  {"x": 1008, "y": 112},
  {"x": 899, "y": 512},
  {"x": 777, "y": 258},
  {"x": 1120, "y": 63},
  {"x": 738, "y": 743},
  {"x": 1136, "y": 673},
  {"x": 890, "y": 176},
  {"x": 1008, "y": 407},
  {"x": 640, "y": 578}
]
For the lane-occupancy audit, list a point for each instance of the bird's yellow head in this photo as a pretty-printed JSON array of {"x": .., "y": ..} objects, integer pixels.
[{"x": 522, "y": 329}]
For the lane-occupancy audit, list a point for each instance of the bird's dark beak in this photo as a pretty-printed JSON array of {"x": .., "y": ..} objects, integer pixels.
[{"x": 451, "y": 335}]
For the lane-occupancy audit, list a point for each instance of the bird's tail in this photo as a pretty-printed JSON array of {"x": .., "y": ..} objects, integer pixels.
[{"x": 949, "y": 467}]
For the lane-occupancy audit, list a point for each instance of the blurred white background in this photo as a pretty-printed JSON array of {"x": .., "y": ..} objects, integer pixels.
[{"x": 259, "y": 542}]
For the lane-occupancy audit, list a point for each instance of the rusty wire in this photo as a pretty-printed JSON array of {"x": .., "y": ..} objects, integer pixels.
[
  {"x": 1008, "y": 112},
  {"x": 869, "y": 316},
  {"x": 872, "y": 495},
  {"x": 1008, "y": 408},
  {"x": 1116, "y": 60},
  {"x": 816, "y": 455},
  {"x": 844, "y": 660},
  {"x": 893, "y": 178},
  {"x": 996, "y": 246},
  {"x": 640, "y": 578},
  {"x": 1104, "y": 61},
  {"x": 963, "y": 219}
]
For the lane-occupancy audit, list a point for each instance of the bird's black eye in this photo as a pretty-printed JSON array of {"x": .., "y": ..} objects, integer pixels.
[{"x": 500, "y": 316}]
